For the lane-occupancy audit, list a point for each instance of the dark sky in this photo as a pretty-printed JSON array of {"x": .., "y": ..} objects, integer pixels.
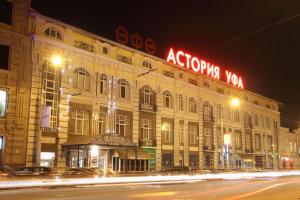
[{"x": 267, "y": 60}]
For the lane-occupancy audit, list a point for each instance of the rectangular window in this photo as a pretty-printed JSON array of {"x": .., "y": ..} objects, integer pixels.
[
  {"x": 193, "y": 134},
  {"x": 101, "y": 123},
  {"x": 207, "y": 137},
  {"x": 257, "y": 142},
  {"x": 4, "y": 57},
  {"x": 122, "y": 125},
  {"x": 193, "y": 160},
  {"x": 238, "y": 140},
  {"x": 104, "y": 50},
  {"x": 5, "y": 12},
  {"x": 80, "y": 122},
  {"x": 167, "y": 132},
  {"x": 146, "y": 126},
  {"x": 3, "y": 103}
]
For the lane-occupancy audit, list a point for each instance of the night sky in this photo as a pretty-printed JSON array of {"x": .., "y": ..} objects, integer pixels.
[{"x": 267, "y": 60}]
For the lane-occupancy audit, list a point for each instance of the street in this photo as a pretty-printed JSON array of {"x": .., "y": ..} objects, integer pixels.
[{"x": 285, "y": 188}]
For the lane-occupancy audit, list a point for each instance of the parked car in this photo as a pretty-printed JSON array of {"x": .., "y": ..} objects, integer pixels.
[
  {"x": 176, "y": 170},
  {"x": 37, "y": 172},
  {"x": 82, "y": 173}
]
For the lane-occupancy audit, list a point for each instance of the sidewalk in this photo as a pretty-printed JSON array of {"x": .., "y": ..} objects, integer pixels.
[{"x": 40, "y": 183}]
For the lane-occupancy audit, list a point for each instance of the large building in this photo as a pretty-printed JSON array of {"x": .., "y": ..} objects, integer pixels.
[
  {"x": 15, "y": 80},
  {"x": 97, "y": 103}
]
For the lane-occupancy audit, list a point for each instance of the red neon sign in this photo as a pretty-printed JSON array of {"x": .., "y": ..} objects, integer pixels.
[{"x": 203, "y": 67}]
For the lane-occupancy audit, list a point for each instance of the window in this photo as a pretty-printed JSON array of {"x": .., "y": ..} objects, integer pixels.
[
  {"x": 3, "y": 103},
  {"x": 248, "y": 142},
  {"x": 220, "y": 90},
  {"x": 168, "y": 74},
  {"x": 167, "y": 99},
  {"x": 268, "y": 122},
  {"x": 193, "y": 160},
  {"x": 193, "y": 134},
  {"x": 80, "y": 122},
  {"x": 206, "y": 84},
  {"x": 180, "y": 103},
  {"x": 255, "y": 120},
  {"x": 103, "y": 84},
  {"x": 5, "y": 12},
  {"x": 102, "y": 123},
  {"x": 4, "y": 57},
  {"x": 269, "y": 138},
  {"x": 207, "y": 112},
  {"x": 192, "y": 105},
  {"x": 247, "y": 121},
  {"x": 181, "y": 132},
  {"x": 123, "y": 89},
  {"x": 167, "y": 132},
  {"x": 122, "y": 125},
  {"x": 147, "y": 95},
  {"x": 236, "y": 116},
  {"x": 104, "y": 50},
  {"x": 238, "y": 140},
  {"x": 208, "y": 137},
  {"x": 81, "y": 79},
  {"x": 147, "y": 64},
  {"x": 262, "y": 121},
  {"x": 53, "y": 32},
  {"x": 146, "y": 126},
  {"x": 291, "y": 146},
  {"x": 193, "y": 82},
  {"x": 84, "y": 46},
  {"x": 257, "y": 142},
  {"x": 219, "y": 111}
]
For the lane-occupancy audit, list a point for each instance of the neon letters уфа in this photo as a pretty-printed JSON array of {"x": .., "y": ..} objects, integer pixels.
[{"x": 201, "y": 66}]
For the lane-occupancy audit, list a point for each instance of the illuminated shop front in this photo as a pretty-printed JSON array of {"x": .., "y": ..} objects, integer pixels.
[{"x": 108, "y": 152}]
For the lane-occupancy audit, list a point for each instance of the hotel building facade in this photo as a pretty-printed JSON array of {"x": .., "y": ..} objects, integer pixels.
[{"x": 97, "y": 103}]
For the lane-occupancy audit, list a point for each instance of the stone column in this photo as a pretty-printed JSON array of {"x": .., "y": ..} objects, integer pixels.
[
  {"x": 135, "y": 117},
  {"x": 201, "y": 152},
  {"x": 158, "y": 143},
  {"x": 186, "y": 143},
  {"x": 176, "y": 142}
]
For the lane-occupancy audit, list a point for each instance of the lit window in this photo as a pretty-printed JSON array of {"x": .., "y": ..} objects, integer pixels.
[
  {"x": 123, "y": 89},
  {"x": 103, "y": 84},
  {"x": 102, "y": 123},
  {"x": 167, "y": 132},
  {"x": 122, "y": 125},
  {"x": 79, "y": 122},
  {"x": 167, "y": 99},
  {"x": 147, "y": 64},
  {"x": 81, "y": 79},
  {"x": 180, "y": 102},
  {"x": 146, "y": 126},
  {"x": 3, "y": 103},
  {"x": 193, "y": 134},
  {"x": 192, "y": 105},
  {"x": 47, "y": 159},
  {"x": 53, "y": 32}
]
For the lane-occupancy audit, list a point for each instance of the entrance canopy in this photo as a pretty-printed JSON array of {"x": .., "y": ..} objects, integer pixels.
[{"x": 109, "y": 140}]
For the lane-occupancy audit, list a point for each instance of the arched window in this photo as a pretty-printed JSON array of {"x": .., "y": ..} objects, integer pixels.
[
  {"x": 103, "y": 84},
  {"x": 180, "y": 103},
  {"x": 167, "y": 99},
  {"x": 53, "y": 32},
  {"x": 123, "y": 89},
  {"x": 147, "y": 95},
  {"x": 207, "y": 112},
  {"x": 192, "y": 105},
  {"x": 81, "y": 79},
  {"x": 147, "y": 63}
]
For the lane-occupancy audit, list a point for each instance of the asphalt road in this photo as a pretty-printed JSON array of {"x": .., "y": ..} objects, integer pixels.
[{"x": 284, "y": 188}]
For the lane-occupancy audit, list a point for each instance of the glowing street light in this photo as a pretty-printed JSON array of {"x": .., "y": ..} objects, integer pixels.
[
  {"x": 227, "y": 139},
  {"x": 56, "y": 60},
  {"x": 235, "y": 102}
]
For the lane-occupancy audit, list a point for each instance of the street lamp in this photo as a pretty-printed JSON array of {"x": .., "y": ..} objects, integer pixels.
[
  {"x": 235, "y": 102},
  {"x": 57, "y": 60}
]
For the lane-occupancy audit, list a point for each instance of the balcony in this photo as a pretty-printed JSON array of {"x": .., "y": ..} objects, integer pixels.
[
  {"x": 148, "y": 107},
  {"x": 208, "y": 118},
  {"x": 147, "y": 143}
]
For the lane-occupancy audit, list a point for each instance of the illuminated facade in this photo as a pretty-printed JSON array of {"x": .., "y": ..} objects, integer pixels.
[
  {"x": 289, "y": 149},
  {"x": 174, "y": 116},
  {"x": 15, "y": 78}
]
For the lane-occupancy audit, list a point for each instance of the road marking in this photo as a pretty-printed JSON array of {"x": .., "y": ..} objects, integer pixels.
[{"x": 260, "y": 190}]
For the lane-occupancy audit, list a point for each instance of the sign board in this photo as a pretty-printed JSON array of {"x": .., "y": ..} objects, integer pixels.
[
  {"x": 197, "y": 65},
  {"x": 46, "y": 117}
]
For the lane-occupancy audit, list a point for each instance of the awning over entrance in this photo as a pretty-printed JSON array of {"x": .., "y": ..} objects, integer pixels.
[
  {"x": 132, "y": 154},
  {"x": 114, "y": 140}
]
